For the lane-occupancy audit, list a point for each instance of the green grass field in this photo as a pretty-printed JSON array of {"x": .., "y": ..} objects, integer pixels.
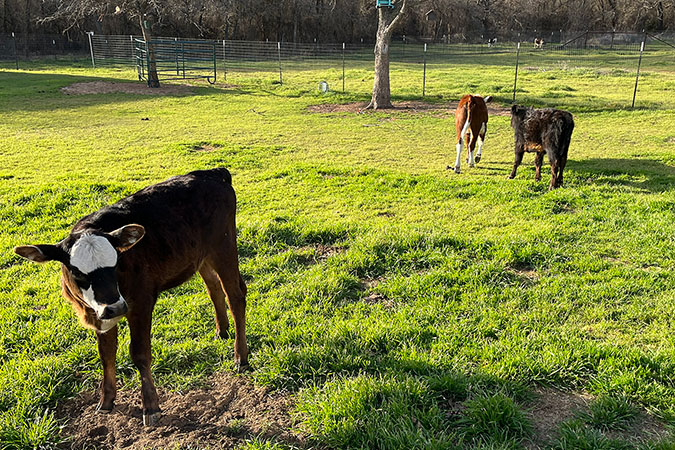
[{"x": 400, "y": 304}]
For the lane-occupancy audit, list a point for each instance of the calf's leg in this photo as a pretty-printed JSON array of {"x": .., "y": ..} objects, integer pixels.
[
  {"x": 538, "y": 159},
  {"x": 459, "y": 156},
  {"x": 215, "y": 290},
  {"x": 107, "y": 350},
  {"x": 472, "y": 147},
  {"x": 561, "y": 167},
  {"x": 516, "y": 163},
  {"x": 140, "y": 350},
  {"x": 481, "y": 141},
  {"x": 554, "y": 176},
  {"x": 461, "y": 136},
  {"x": 226, "y": 264}
]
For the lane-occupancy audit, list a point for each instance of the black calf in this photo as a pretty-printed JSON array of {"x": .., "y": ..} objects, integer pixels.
[{"x": 542, "y": 130}]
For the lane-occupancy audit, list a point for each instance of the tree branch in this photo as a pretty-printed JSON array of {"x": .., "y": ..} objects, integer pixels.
[{"x": 397, "y": 19}]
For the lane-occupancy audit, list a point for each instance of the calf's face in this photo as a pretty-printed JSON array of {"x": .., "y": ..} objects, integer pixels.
[{"x": 90, "y": 258}]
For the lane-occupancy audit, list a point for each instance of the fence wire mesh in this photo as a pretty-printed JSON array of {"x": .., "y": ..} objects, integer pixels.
[
  {"x": 416, "y": 69},
  {"x": 22, "y": 47}
]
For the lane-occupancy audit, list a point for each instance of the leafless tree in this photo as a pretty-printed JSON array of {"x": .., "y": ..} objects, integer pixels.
[
  {"x": 331, "y": 20},
  {"x": 387, "y": 20}
]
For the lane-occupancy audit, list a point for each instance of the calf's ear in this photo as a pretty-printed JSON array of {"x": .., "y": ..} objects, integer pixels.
[
  {"x": 488, "y": 99},
  {"x": 126, "y": 237},
  {"x": 41, "y": 253}
]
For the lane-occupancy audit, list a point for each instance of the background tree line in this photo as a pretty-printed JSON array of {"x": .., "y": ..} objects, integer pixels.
[{"x": 331, "y": 20}]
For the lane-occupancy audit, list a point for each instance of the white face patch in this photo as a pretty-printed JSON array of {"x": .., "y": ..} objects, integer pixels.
[
  {"x": 107, "y": 324},
  {"x": 89, "y": 299},
  {"x": 92, "y": 252}
]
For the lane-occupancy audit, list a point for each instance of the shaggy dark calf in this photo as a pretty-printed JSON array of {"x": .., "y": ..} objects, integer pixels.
[
  {"x": 542, "y": 131},
  {"x": 117, "y": 260}
]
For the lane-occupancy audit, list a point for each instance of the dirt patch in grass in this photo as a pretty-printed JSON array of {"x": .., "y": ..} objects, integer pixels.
[
  {"x": 226, "y": 413},
  {"x": 372, "y": 297},
  {"x": 550, "y": 408},
  {"x": 412, "y": 106},
  {"x": 321, "y": 252},
  {"x": 111, "y": 87},
  {"x": 206, "y": 148}
]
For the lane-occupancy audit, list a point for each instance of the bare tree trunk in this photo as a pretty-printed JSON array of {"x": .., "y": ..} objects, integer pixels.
[
  {"x": 153, "y": 78},
  {"x": 388, "y": 18},
  {"x": 381, "y": 98}
]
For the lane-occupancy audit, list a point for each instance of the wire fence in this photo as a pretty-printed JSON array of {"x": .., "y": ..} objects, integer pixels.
[
  {"x": 533, "y": 56},
  {"x": 17, "y": 47}
]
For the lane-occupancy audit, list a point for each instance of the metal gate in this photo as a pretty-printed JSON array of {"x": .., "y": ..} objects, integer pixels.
[{"x": 176, "y": 59}]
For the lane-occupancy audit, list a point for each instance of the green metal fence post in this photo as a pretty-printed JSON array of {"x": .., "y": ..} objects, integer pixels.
[
  {"x": 424, "y": 77},
  {"x": 16, "y": 51},
  {"x": 224, "y": 61},
  {"x": 91, "y": 48},
  {"x": 215, "y": 68},
  {"x": 343, "y": 67},
  {"x": 515, "y": 81},
  {"x": 637, "y": 77},
  {"x": 175, "y": 50},
  {"x": 281, "y": 81}
]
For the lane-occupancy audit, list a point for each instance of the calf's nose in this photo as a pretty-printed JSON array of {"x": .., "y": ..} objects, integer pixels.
[{"x": 118, "y": 309}]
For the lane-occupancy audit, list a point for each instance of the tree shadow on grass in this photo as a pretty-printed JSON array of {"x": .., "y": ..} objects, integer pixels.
[
  {"x": 640, "y": 174},
  {"x": 26, "y": 91}
]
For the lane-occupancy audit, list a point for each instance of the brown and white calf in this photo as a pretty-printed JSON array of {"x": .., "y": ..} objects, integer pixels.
[
  {"x": 538, "y": 43},
  {"x": 471, "y": 119},
  {"x": 116, "y": 261},
  {"x": 542, "y": 131}
]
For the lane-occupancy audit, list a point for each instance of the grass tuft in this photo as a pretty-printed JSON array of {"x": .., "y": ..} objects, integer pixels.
[
  {"x": 495, "y": 418},
  {"x": 610, "y": 413}
]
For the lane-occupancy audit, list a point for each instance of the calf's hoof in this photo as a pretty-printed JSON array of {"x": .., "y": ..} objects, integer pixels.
[
  {"x": 457, "y": 170},
  {"x": 151, "y": 419},
  {"x": 101, "y": 409},
  {"x": 242, "y": 367},
  {"x": 472, "y": 165},
  {"x": 223, "y": 334},
  {"x": 477, "y": 158}
]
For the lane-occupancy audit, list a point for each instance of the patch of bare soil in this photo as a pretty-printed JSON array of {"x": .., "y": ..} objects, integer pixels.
[
  {"x": 412, "y": 106},
  {"x": 322, "y": 252},
  {"x": 111, "y": 87},
  {"x": 205, "y": 148},
  {"x": 526, "y": 273},
  {"x": 373, "y": 297},
  {"x": 551, "y": 407},
  {"x": 230, "y": 410}
]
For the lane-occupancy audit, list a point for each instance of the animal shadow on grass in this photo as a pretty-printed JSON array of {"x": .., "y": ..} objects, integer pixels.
[{"x": 640, "y": 174}]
